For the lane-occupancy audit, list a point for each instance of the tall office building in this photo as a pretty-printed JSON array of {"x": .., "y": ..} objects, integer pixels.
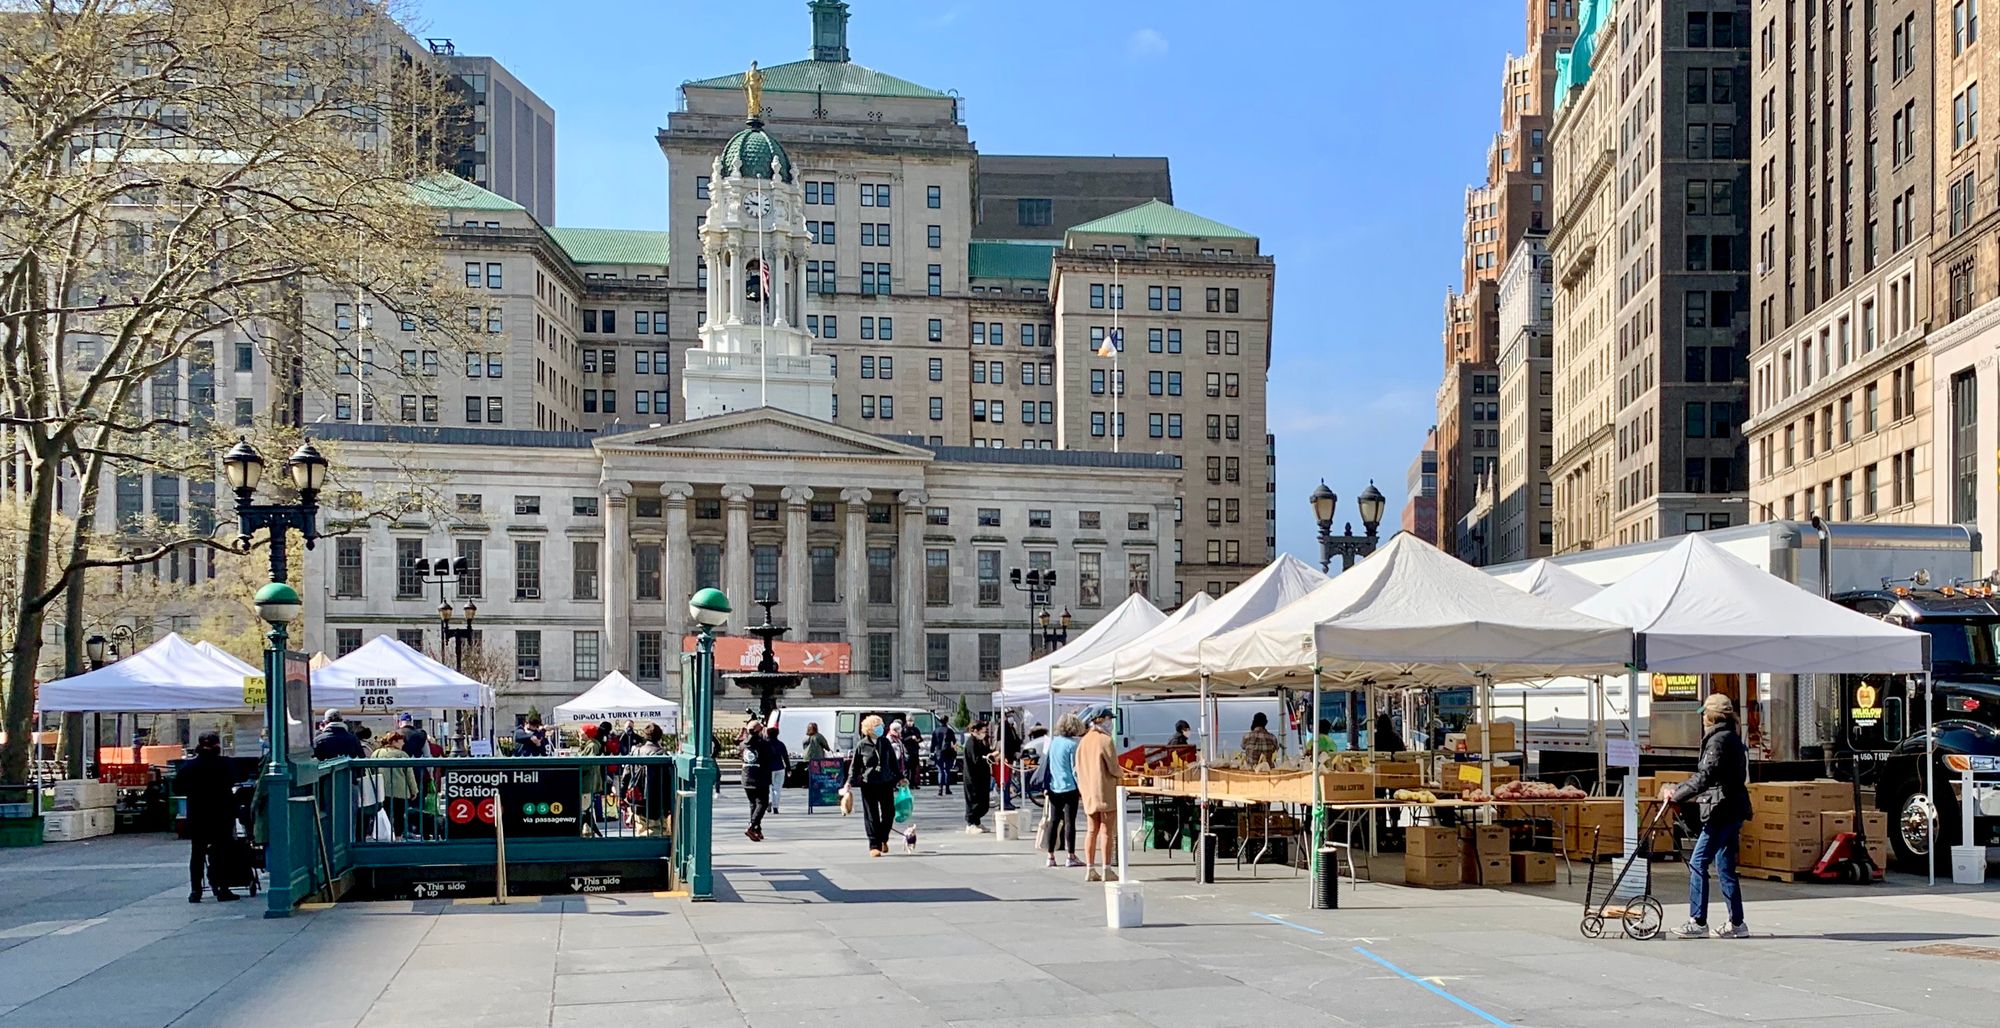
[
  {"x": 1420, "y": 486},
  {"x": 1523, "y": 505},
  {"x": 1677, "y": 258},
  {"x": 1842, "y": 224},
  {"x": 507, "y": 139},
  {"x": 1513, "y": 201}
]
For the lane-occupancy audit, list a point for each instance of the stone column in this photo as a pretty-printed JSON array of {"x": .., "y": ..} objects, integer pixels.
[
  {"x": 910, "y": 602},
  {"x": 736, "y": 554},
  {"x": 614, "y": 558},
  {"x": 797, "y": 569},
  {"x": 679, "y": 556},
  {"x": 854, "y": 559}
]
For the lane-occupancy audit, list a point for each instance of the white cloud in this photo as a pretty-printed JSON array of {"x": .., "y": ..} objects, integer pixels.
[{"x": 1147, "y": 43}]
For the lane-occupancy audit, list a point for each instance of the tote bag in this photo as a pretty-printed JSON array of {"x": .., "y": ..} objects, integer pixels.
[{"x": 905, "y": 803}]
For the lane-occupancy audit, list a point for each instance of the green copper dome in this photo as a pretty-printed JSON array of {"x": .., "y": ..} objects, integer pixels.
[{"x": 750, "y": 153}]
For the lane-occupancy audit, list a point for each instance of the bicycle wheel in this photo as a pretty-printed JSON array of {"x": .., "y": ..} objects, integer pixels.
[
  {"x": 1592, "y": 926},
  {"x": 1644, "y": 917}
]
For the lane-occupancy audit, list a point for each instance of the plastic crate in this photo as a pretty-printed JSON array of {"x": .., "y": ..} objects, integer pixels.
[
  {"x": 130, "y": 776},
  {"x": 21, "y": 832}
]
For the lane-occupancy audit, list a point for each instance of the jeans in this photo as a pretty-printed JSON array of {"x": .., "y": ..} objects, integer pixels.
[
  {"x": 760, "y": 801},
  {"x": 944, "y": 778},
  {"x": 878, "y": 812},
  {"x": 1062, "y": 811},
  {"x": 777, "y": 786},
  {"x": 1717, "y": 843}
]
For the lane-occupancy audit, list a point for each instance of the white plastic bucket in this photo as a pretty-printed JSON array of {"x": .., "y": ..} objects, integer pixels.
[
  {"x": 1968, "y": 865},
  {"x": 1124, "y": 905}
]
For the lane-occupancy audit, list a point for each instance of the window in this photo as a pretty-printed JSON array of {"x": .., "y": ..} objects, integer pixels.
[
  {"x": 1214, "y": 298},
  {"x": 1229, "y": 301},
  {"x": 1964, "y": 25},
  {"x": 583, "y": 656},
  {"x": 472, "y": 578},
  {"x": 346, "y": 641},
  {"x": 934, "y": 331},
  {"x": 989, "y": 656},
  {"x": 707, "y": 564},
  {"x": 989, "y": 517},
  {"x": 528, "y": 655},
  {"x": 646, "y": 571},
  {"x": 881, "y": 574},
  {"x": 1089, "y": 579},
  {"x": 527, "y": 570},
  {"x": 494, "y": 410},
  {"x": 937, "y": 408},
  {"x": 409, "y": 581},
  {"x": 988, "y": 562},
  {"x": 933, "y": 197},
  {"x": 937, "y": 578},
  {"x": 1139, "y": 573},
  {"x": 764, "y": 571},
  {"x": 1173, "y": 298},
  {"x": 493, "y": 276},
  {"x": 347, "y": 567},
  {"x": 1965, "y": 447},
  {"x": 701, "y": 187},
  {"x": 1965, "y": 116},
  {"x": 1031, "y": 213},
  {"x": 650, "y": 658},
  {"x": 937, "y": 657},
  {"x": 934, "y": 277},
  {"x": 1697, "y": 420},
  {"x": 823, "y": 569}
]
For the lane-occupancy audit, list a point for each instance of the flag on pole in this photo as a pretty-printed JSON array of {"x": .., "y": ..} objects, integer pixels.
[
  {"x": 1113, "y": 344},
  {"x": 764, "y": 278}
]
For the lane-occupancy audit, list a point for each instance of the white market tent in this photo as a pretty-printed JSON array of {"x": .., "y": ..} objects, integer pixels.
[
  {"x": 170, "y": 675},
  {"x": 1409, "y": 613},
  {"x": 386, "y": 674},
  {"x": 618, "y": 699},
  {"x": 229, "y": 659},
  {"x": 1553, "y": 582},
  {"x": 1704, "y": 610},
  {"x": 1170, "y": 651},
  {"x": 1028, "y": 684}
]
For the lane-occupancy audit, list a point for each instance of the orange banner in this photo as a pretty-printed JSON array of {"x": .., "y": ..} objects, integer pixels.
[{"x": 741, "y": 653}]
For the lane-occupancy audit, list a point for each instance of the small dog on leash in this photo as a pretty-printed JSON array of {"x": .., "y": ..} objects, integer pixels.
[{"x": 910, "y": 841}]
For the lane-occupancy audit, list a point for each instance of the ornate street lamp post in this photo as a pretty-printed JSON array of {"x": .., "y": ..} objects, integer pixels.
[
  {"x": 1351, "y": 547},
  {"x": 1042, "y": 627},
  {"x": 442, "y": 572},
  {"x": 279, "y": 604}
]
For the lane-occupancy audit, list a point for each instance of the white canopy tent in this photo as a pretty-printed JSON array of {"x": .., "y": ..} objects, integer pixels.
[
  {"x": 170, "y": 675},
  {"x": 1028, "y": 684},
  {"x": 1171, "y": 650},
  {"x": 386, "y": 674},
  {"x": 1553, "y": 582},
  {"x": 618, "y": 699},
  {"x": 1703, "y": 610},
  {"x": 229, "y": 659}
]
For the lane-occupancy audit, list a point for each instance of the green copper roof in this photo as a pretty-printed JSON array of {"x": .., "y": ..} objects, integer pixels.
[
  {"x": 1011, "y": 258},
  {"x": 1154, "y": 218},
  {"x": 749, "y": 154},
  {"x": 612, "y": 245},
  {"x": 825, "y": 77},
  {"x": 443, "y": 190}
]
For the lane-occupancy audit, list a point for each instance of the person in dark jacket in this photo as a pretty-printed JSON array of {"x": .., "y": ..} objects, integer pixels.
[
  {"x": 1721, "y": 796},
  {"x": 978, "y": 755},
  {"x": 944, "y": 755},
  {"x": 1387, "y": 739},
  {"x": 416, "y": 741},
  {"x": 209, "y": 785},
  {"x": 873, "y": 774},
  {"x": 758, "y": 761},
  {"x": 530, "y": 740},
  {"x": 781, "y": 763},
  {"x": 335, "y": 739}
]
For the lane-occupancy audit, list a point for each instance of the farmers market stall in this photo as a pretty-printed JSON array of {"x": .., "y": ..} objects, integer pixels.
[
  {"x": 618, "y": 699},
  {"x": 386, "y": 675}
]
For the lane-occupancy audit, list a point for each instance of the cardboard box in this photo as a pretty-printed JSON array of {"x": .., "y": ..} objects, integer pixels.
[
  {"x": 1480, "y": 869},
  {"x": 73, "y": 825},
  {"x": 1431, "y": 841},
  {"x": 1431, "y": 872},
  {"x": 84, "y": 794},
  {"x": 1799, "y": 798},
  {"x": 1534, "y": 868},
  {"x": 1784, "y": 827},
  {"x": 1505, "y": 738},
  {"x": 1795, "y": 854},
  {"x": 1834, "y": 822},
  {"x": 1666, "y": 778},
  {"x": 1399, "y": 774},
  {"x": 1486, "y": 840}
]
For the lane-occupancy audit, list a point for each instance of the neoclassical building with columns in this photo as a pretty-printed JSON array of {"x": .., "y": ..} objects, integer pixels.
[{"x": 582, "y": 548}]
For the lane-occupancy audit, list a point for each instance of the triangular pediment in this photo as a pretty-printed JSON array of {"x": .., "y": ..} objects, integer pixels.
[{"x": 766, "y": 430}]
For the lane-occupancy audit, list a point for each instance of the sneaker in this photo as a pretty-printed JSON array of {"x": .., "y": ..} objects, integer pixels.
[
  {"x": 1110, "y": 875},
  {"x": 1052, "y": 860},
  {"x": 1692, "y": 930},
  {"x": 1073, "y": 862},
  {"x": 1735, "y": 931},
  {"x": 1093, "y": 876},
  {"x": 974, "y": 830}
]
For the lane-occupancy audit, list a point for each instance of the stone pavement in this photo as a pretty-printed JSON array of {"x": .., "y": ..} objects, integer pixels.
[{"x": 808, "y": 930}]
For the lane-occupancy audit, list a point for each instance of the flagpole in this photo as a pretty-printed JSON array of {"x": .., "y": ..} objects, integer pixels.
[
  {"x": 1117, "y": 350},
  {"x": 763, "y": 316}
]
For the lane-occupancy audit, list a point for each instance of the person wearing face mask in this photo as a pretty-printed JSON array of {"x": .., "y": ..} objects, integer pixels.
[{"x": 873, "y": 773}]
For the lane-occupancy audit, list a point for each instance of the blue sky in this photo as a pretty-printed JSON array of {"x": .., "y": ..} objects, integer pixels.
[{"x": 1343, "y": 133}]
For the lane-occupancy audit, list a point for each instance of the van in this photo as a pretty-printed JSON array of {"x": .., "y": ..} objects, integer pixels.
[{"x": 842, "y": 725}]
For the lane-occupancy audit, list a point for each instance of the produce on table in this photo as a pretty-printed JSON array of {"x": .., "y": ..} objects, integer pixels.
[{"x": 1414, "y": 796}]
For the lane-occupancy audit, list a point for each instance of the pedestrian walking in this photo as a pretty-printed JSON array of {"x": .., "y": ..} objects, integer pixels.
[
  {"x": 1722, "y": 800},
  {"x": 757, "y": 759},
  {"x": 591, "y": 778},
  {"x": 873, "y": 774},
  {"x": 645, "y": 788},
  {"x": 978, "y": 757},
  {"x": 944, "y": 756},
  {"x": 210, "y": 788},
  {"x": 781, "y": 763},
  {"x": 1063, "y": 792},
  {"x": 1097, "y": 780},
  {"x": 416, "y": 741},
  {"x": 335, "y": 739},
  {"x": 815, "y": 747},
  {"x": 530, "y": 740},
  {"x": 397, "y": 785}
]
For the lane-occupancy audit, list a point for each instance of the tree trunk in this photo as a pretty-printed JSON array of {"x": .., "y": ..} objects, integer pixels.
[
  {"x": 26, "y": 653},
  {"x": 73, "y": 626}
]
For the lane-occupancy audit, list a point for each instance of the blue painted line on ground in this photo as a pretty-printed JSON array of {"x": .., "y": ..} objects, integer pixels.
[
  {"x": 1475, "y": 1011},
  {"x": 1275, "y": 919}
]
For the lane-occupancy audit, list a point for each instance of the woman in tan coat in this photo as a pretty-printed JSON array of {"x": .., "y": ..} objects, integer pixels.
[{"x": 1097, "y": 777}]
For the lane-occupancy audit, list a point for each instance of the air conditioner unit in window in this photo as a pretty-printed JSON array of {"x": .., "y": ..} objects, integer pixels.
[
  {"x": 531, "y": 674},
  {"x": 528, "y": 594}
]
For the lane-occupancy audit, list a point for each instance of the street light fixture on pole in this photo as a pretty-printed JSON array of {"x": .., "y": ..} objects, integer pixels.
[
  {"x": 1351, "y": 547},
  {"x": 694, "y": 825},
  {"x": 279, "y": 604},
  {"x": 1042, "y": 625},
  {"x": 442, "y": 572},
  {"x": 94, "y": 649}
]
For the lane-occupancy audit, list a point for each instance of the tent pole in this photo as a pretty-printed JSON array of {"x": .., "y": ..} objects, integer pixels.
[
  {"x": 1486, "y": 733},
  {"x": 1597, "y": 730},
  {"x": 1202, "y": 872},
  {"x": 1319, "y": 794},
  {"x": 1631, "y": 805}
]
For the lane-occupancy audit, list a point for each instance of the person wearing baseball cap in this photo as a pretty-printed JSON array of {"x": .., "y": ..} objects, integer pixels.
[{"x": 1721, "y": 794}]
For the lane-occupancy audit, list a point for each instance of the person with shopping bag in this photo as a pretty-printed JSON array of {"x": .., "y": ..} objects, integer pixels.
[
  {"x": 398, "y": 788},
  {"x": 1064, "y": 792},
  {"x": 873, "y": 775}
]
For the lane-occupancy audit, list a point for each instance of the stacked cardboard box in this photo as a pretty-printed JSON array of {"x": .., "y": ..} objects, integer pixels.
[
  {"x": 1534, "y": 868},
  {"x": 72, "y": 825},
  {"x": 1431, "y": 857},
  {"x": 1485, "y": 860},
  {"x": 1874, "y": 824},
  {"x": 84, "y": 794},
  {"x": 1583, "y": 822},
  {"x": 1784, "y": 831}
]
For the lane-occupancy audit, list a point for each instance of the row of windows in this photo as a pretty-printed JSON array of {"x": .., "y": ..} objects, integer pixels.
[
  {"x": 1819, "y": 432},
  {"x": 643, "y": 322},
  {"x": 1112, "y": 297},
  {"x": 1874, "y": 494}
]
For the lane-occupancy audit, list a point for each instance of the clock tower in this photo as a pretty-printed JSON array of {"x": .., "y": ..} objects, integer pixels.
[{"x": 754, "y": 349}]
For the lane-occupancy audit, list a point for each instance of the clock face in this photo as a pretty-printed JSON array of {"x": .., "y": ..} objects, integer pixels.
[{"x": 757, "y": 205}]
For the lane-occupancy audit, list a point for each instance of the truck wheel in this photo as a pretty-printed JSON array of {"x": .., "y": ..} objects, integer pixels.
[{"x": 1920, "y": 833}]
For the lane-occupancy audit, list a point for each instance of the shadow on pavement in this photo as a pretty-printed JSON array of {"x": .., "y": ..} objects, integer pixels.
[{"x": 815, "y": 883}]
